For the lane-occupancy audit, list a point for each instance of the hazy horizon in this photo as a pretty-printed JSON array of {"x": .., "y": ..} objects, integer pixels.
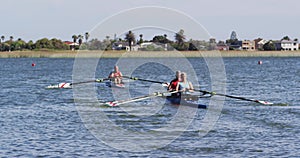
[{"x": 34, "y": 19}]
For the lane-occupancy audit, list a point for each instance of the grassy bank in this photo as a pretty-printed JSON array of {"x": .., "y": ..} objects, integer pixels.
[{"x": 117, "y": 54}]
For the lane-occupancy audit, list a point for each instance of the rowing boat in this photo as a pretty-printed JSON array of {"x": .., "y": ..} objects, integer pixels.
[
  {"x": 185, "y": 99},
  {"x": 112, "y": 84}
]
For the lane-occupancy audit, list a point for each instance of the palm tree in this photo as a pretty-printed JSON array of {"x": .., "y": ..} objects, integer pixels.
[
  {"x": 86, "y": 36},
  {"x": 75, "y": 38},
  {"x": 180, "y": 37},
  {"x": 74, "y": 41},
  {"x": 165, "y": 38},
  {"x": 165, "y": 35},
  {"x": 130, "y": 39},
  {"x": 80, "y": 40},
  {"x": 10, "y": 42},
  {"x": 141, "y": 39}
]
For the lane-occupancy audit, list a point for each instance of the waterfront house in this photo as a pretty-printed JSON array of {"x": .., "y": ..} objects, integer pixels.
[
  {"x": 122, "y": 45},
  {"x": 154, "y": 46},
  {"x": 72, "y": 45},
  {"x": 248, "y": 45},
  {"x": 236, "y": 45},
  {"x": 119, "y": 45},
  {"x": 133, "y": 48},
  {"x": 289, "y": 45},
  {"x": 259, "y": 43},
  {"x": 222, "y": 47}
]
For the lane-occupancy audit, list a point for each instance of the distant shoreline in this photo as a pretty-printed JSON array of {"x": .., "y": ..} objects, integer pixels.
[{"x": 145, "y": 54}]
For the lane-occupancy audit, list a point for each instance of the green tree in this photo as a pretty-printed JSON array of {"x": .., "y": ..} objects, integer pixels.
[
  {"x": 58, "y": 44},
  {"x": 30, "y": 45},
  {"x": 269, "y": 46},
  {"x": 19, "y": 44},
  {"x": 286, "y": 38},
  {"x": 1, "y": 40},
  {"x": 130, "y": 38},
  {"x": 161, "y": 39},
  {"x": 180, "y": 37},
  {"x": 43, "y": 43}
]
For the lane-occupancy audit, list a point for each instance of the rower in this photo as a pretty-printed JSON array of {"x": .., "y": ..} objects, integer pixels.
[
  {"x": 116, "y": 75},
  {"x": 184, "y": 85},
  {"x": 173, "y": 84}
]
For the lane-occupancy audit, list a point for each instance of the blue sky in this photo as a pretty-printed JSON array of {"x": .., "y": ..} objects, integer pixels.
[{"x": 35, "y": 19}]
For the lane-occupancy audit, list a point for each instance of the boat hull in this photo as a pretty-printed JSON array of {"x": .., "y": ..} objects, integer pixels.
[
  {"x": 111, "y": 84},
  {"x": 187, "y": 100}
]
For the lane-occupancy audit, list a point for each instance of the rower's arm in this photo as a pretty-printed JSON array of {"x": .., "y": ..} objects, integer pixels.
[
  {"x": 191, "y": 87},
  {"x": 177, "y": 87}
]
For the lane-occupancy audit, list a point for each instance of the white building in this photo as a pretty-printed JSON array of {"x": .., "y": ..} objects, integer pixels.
[
  {"x": 248, "y": 45},
  {"x": 289, "y": 45}
]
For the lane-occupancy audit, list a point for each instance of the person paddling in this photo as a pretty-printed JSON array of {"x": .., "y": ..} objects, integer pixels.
[
  {"x": 184, "y": 85},
  {"x": 116, "y": 75},
  {"x": 173, "y": 84}
]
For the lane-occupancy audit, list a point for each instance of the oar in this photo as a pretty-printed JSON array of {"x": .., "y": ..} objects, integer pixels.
[
  {"x": 155, "y": 94},
  {"x": 69, "y": 85},
  {"x": 235, "y": 97},
  {"x": 96, "y": 80},
  {"x": 120, "y": 102},
  {"x": 152, "y": 81}
]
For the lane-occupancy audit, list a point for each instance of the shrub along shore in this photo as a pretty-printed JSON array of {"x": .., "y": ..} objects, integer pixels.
[{"x": 145, "y": 54}]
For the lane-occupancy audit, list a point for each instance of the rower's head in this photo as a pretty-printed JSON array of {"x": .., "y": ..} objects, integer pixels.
[
  {"x": 183, "y": 76},
  {"x": 116, "y": 68},
  {"x": 178, "y": 74}
]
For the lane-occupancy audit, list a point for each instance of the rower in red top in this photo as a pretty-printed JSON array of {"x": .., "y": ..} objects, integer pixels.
[
  {"x": 116, "y": 75},
  {"x": 173, "y": 84}
]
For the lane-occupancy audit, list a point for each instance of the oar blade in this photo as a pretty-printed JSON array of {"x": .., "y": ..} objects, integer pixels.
[
  {"x": 112, "y": 104},
  {"x": 60, "y": 86},
  {"x": 264, "y": 102}
]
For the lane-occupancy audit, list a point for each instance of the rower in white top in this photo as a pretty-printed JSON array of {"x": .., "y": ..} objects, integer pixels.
[{"x": 184, "y": 85}]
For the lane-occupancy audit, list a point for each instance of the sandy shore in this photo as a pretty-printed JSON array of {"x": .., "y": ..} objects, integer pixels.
[{"x": 159, "y": 54}]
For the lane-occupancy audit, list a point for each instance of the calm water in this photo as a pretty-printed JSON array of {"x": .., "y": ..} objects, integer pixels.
[{"x": 36, "y": 121}]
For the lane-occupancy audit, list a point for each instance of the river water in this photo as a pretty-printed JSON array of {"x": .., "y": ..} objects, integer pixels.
[{"x": 36, "y": 121}]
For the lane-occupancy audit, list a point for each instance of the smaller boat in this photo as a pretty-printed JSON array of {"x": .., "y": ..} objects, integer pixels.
[{"x": 112, "y": 84}]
